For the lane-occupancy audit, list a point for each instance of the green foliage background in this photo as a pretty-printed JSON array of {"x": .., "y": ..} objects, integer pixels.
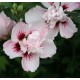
[{"x": 65, "y": 63}]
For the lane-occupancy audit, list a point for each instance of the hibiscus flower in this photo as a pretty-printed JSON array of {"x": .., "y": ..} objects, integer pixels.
[
  {"x": 55, "y": 18},
  {"x": 29, "y": 41}
]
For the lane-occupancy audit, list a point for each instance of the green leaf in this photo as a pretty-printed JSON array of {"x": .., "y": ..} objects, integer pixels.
[
  {"x": 6, "y": 4},
  {"x": 3, "y": 62}
]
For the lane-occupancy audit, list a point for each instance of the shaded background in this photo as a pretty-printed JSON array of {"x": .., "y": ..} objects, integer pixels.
[{"x": 66, "y": 61}]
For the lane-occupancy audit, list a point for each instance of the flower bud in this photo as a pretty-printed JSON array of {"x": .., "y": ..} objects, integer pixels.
[{"x": 20, "y": 8}]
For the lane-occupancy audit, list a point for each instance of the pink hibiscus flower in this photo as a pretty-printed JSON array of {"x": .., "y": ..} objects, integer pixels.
[
  {"x": 54, "y": 16},
  {"x": 31, "y": 43},
  {"x": 6, "y": 25}
]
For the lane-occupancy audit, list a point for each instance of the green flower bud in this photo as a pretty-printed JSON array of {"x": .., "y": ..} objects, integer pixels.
[
  {"x": 14, "y": 6},
  {"x": 20, "y": 8}
]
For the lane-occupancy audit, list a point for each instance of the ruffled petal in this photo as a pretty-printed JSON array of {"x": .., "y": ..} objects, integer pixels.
[
  {"x": 52, "y": 33},
  {"x": 41, "y": 27},
  {"x": 47, "y": 4},
  {"x": 70, "y": 6},
  {"x": 6, "y": 19},
  {"x": 19, "y": 31},
  {"x": 34, "y": 14},
  {"x": 30, "y": 62},
  {"x": 48, "y": 49},
  {"x": 12, "y": 49},
  {"x": 38, "y": 34},
  {"x": 67, "y": 28},
  {"x": 6, "y": 25}
]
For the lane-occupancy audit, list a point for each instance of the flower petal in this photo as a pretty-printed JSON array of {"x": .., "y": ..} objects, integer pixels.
[
  {"x": 3, "y": 32},
  {"x": 52, "y": 33},
  {"x": 34, "y": 14},
  {"x": 41, "y": 30},
  {"x": 6, "y": 19},
  {"x": 67, "y": 28},
  {"x": 19, "y": 32},
  {"x": 47, "y": 4},
  {"x": 70, "y": 6},
  {"x": 48, "y": 49},
  {"x": 30, "y": 62},
  {"x": 41, "y": 27},
  {"x": 12, "y": 49},
  {"x": 6, "y": 25}
]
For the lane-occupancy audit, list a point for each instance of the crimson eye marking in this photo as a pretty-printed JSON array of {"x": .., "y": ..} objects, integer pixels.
[
  {"x": 64, "y": 23},
  {"x": 21, "y": 35},
  {"x": 57, "y": 24},
  {"x": 16, "y": 47},
  {"x": 65, "y": 6},
  {"x": 27, "y": 55}
]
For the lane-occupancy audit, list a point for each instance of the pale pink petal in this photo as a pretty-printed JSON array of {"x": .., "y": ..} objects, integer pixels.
[
  {"x": 6, "y": 19},
  {"x": 57, "y": 4},
  {"x": 47, "y": 16},
  {"x": 48, "y": 49},
  {"x": 67, "y": 28},
  {"x": 2, "y": 23},
  {"x": 38, "y": 34},
  {"x": 12, "y": 49},
  {"x": 41, "y": 27},
  {"x": 30, "y": 62},
  {"x": 19, "y": 31},
  {"x": 34, "y": 14},
  {"x": 53, "y": 30},
  {"x": 47, "y": 4},
  {"x": 70, "y": 6},
  {"x": 10, "y": 27},
  {"x": 52, "y": 33},
  {"x": 6, "y": 25},
  {"x": 3, "y": 32}
]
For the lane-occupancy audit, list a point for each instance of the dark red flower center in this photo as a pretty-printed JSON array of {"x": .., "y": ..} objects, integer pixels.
[
  {"x": 21, "y": 35},
  {"x": 16, "y": 47},
  {"x": 65, "y": 7},
  {"x": 27, "y": 55},
  {"x": 64, "y": 23},
  {"x": 57, "y": 24}
]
